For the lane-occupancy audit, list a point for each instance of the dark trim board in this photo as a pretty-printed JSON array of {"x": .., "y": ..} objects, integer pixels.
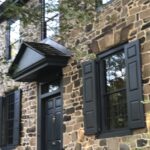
[{"x": 36, "y": 71}]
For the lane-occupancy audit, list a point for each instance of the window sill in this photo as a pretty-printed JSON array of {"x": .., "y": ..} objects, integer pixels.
[{"x": 114, "y": 133}]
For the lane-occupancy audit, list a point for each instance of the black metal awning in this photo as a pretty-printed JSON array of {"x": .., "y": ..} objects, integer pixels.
[{"x": 39, "y": 61}]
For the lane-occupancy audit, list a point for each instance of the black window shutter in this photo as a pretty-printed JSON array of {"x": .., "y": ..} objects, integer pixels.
[
  {"x": 7, "y": 49},
  {"x": 17, "y": 110},
  {"x": 89, "y": 96},
  {"x": 134, "y": 86},
  {"x": 1, "y": 112}
]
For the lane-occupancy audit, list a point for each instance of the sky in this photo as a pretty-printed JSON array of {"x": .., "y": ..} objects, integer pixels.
[
  {"x": 1, "y": 1},
  {"x": 105, "y": 1}
]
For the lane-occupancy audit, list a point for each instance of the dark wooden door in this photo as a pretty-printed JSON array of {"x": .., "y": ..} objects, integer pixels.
[{"x": 53, "y": 123}]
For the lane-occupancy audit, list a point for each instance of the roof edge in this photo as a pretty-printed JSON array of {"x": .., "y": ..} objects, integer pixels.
[{"x": 57, "y": 46}]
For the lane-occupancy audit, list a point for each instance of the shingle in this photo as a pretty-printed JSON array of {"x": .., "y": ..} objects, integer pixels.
[{"x": 45, "y": 48}]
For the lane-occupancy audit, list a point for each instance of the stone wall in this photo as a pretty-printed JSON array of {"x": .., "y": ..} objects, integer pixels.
[{"x": 118, "y": 22}]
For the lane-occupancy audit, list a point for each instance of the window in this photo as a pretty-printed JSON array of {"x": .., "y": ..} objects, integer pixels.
[
  {"x": 10, "y": 119},
  {"x": 105, "y": 1},
  {"x": 12, "y": 39},
  {"x": 99, "y": 3},
  {"x": 50, "y": 88},
  {"x": 2, "y": 1},
  {"x": 51, "y": 18},
  {"x": 113, "y": 92}
]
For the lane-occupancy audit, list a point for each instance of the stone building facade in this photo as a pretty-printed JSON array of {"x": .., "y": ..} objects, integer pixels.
[{"x": 118, "y": 22}]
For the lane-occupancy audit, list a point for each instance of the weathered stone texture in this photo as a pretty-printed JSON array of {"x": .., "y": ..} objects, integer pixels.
[{"x": 119, "y": 22}]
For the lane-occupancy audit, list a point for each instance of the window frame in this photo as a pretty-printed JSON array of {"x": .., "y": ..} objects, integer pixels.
[
  {"x": 100, "y": 74},
  {"x": 92, "y": 100},
  {"x": 5, "y": 120},
  {"x": 15, "y": 96},
  {"x": 8, "y": 39},
  {"x": 106, "y": 2},
  {"x": 44, "y": 21},
  {"x": 100, "y": 5}
]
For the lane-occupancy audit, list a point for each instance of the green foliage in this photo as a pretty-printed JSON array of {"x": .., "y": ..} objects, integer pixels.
[
  {"x": 26, "y": 14},
  {"x": 73, "y": 14}
]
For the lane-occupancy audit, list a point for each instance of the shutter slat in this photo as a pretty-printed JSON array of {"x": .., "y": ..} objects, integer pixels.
[
  {"x": 17, "y": 107},
  {"x": 89, "y": 96},
  {"x": 134, "y": 86}
]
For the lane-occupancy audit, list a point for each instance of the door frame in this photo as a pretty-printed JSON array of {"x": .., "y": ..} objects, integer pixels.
[{"x": 40, "y": 114}]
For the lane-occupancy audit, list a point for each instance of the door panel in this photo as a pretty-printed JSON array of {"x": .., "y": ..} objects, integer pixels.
[
  {"x": 53, "y": 123},
  {"x": 58, "y": 125}
]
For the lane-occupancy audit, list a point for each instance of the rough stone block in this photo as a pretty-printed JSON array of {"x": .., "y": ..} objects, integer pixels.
[
  {"x": 125, "y": 33},
  {"x": 32, "y": 129},
  {"x": 146, "y": 71},
  {"x": 124, "y": 147},
  {"x": 94, "y": 47},
  {"x": 66, "y": 80},
  {"x": 148, "y": 36},
  {"x": 141, "y": 142},
  {"x": 103, "y": 142},
  {"x": 81, "y": 135},
  {"x": 66, "y": 139},
  {"x": 134, "y": 10},
  {"x": 88, "y": 27},
  {"x": 124, "y": 2},
  {"x": 145, "y": 58},
  {"x": 67, "y": 118},
  {"x": 70, "y": 110},
  {"x": 131, "y": 19},
  {"x": 74, "y": 136},
  {"x": 147, "y": 109},
  {"x": 78, "y": 146},
  {"x": 145, "y": 26},
  {"x": 144, "y": 14},
  {"x": 106, "y": 42}
]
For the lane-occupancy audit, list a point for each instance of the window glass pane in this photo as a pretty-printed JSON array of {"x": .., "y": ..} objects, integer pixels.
[
  {"x": 115, "y": 102},
  {"x": 14, "y": 49},
  {"x": 52, "y": 26},
  {"x": 14, "y": 38},
  {"x": 2, "y": 1},
  {"x": 52, "y": 17},
  {"x": 49, "y": 88},
  {"x": 115, "y": 72},
  {"x": 14, "y": 31},
  {"x": 116, "y": 114},
  {"x": 105, "y": 1}
]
